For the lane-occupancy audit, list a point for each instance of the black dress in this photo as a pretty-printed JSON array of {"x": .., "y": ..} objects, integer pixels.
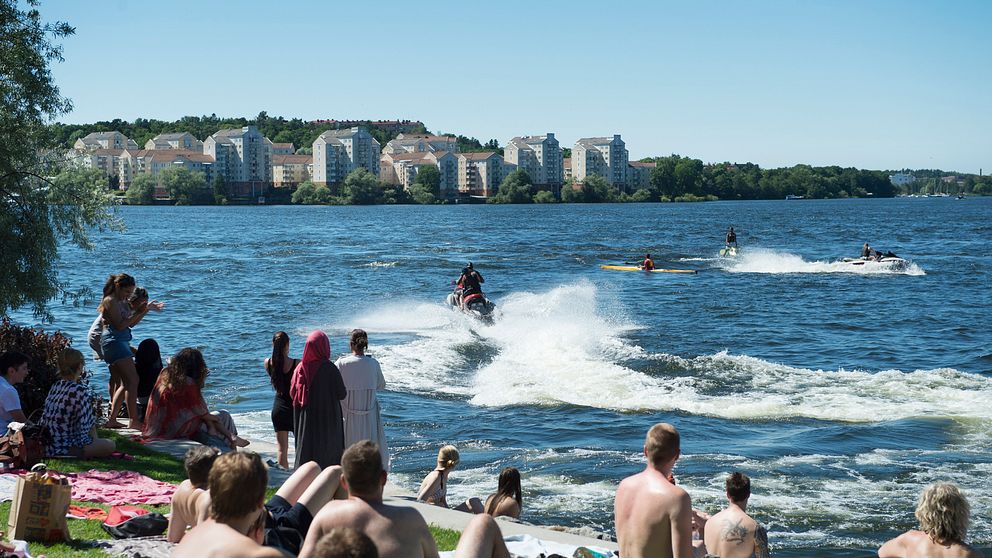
[
  {"x": 282, "y": 405},
  {"x": 319, "y": 426}
]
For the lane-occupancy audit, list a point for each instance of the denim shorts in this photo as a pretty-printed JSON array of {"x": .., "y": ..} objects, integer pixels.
[{"x": 115, "y": 346}]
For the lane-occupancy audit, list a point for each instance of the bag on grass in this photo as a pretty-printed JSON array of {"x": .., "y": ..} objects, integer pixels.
[
  {"x": 128, "y": 522},
  {"x": 19, "y": 450},
  {"x": 37, "y": 513}
]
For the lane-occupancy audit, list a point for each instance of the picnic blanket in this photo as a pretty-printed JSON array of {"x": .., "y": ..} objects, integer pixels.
[
  {"x": 526, "y": 546},
  {"x": 7, "y": 485},
  {"x": 119, "y": 487},
  {"x": 141, "y": 547}
]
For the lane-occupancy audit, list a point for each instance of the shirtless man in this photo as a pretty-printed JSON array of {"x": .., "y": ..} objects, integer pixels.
[
  {"x": 188, "y": 504},
  {"x": 236, "y": 525},
  {"x": 397, "y": 531},
  {"x": 943, "y": 513},
  {"x": 653, "y": 515},
  {"x": 732, "y": 533}
]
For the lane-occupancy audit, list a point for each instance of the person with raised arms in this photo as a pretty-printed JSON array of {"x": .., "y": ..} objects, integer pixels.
[{"x": 397, "y": 531}]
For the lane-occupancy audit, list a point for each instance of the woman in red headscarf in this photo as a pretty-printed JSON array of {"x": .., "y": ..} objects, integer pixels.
[{"x": 317, "y": 390}]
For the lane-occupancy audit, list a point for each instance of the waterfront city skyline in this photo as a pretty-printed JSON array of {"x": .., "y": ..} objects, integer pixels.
[{"x": 884, "y": 85}]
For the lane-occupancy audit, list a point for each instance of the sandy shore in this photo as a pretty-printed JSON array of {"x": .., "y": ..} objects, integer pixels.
[{"x": 394, "y": 495}]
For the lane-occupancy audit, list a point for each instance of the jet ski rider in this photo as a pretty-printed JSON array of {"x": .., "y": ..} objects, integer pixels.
[
  {"x": 470, "y": 283},
  {"x": 648, "y": 263},
  {"x": 731, "y": 237},
  {"x": 866, "y": 251}
]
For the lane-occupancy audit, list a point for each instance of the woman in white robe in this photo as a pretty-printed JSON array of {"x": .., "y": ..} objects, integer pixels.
[{"x": 362, "y": 377}]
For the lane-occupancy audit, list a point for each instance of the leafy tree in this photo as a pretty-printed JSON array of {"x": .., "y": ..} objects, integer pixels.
[
  {"x": 141, "y": 191},
  {"x": 420, "y": 194},
  {"x": 361, "y": 187},
  {"x": 37, "y": 213},
  {"x": 640, "y": 196},
  {"x": 594, "y": 189},
  {"x": 309, "y": 193},
  {"x": 515, "y": 188},
  {"x": 220, "y": 190},
  {"x": 429, "y": 177},
  {"x": 186, "y": 187},
  {"x": 544, "y": 196}
]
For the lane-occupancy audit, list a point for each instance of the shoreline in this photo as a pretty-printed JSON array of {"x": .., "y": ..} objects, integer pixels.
[{"x": 395, "y": 496}]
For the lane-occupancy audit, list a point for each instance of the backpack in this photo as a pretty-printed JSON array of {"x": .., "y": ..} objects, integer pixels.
[{"x": 20, "y": 450}]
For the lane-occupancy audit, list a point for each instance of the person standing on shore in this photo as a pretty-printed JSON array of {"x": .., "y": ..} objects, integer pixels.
[
  {"x": 362, "y": 377},
  {"x": 115, "y": 344},
  {"x": 654, "y": 516},
  {"x": 943, "y": 513},
  {"x": 317, "y": 391},
  {"x": 280, "y": 369}
]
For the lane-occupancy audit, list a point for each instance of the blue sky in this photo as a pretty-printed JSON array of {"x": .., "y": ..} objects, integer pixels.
[{"x": 871, "y": 84}]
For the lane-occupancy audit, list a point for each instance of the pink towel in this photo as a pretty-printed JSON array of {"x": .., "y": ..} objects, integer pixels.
[{"x": 119, "y": 487}]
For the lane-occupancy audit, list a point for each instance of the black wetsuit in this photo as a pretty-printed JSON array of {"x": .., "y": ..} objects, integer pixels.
[
  {"x": 731, "y": 238},
  {"x": 471, "y": 283}
]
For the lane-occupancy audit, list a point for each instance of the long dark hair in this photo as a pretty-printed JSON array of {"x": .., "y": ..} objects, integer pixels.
[
  {"x": 280, "y": 340},
  {"x": 148, "y": 363},
  {"x": 188, "y": 363},
  {"x": 509, "y": 487}
]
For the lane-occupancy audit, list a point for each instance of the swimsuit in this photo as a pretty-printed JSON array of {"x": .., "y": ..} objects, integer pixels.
[{"x": 116, "y": 343}]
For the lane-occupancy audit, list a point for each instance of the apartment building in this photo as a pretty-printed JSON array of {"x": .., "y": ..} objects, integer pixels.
[
  {"x": 290, "y": 170},
  {"x": 158, "y": 160},
  {"x": 283, "y": 149},
  {"x": 104, "y": 160},
  {"x": 180, "y": 140},
  {"x": 402, "y": 169},
  {"x": 479, "y": 174},
  {"x": 130, "y": 164},
  {"x": 420, "y": 143},
  {"x": 541, "y": 157},
  {"x": 606, "y": 157},
  {"x": 338, "y": 152},
  {"x": 639, "y": 175},
  {"x": 566, "y": 169},
  {"x": 242, "y": 157},
  {"x": 104, "y": 140}
]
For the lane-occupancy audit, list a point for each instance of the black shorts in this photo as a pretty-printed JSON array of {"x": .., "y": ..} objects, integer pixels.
[{"x": 286, "y": 526}]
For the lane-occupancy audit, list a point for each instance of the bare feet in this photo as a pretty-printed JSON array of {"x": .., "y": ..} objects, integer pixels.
[
  {"x": 112, "y": 423},
  {"x": 240, "y": 442},
  {"x": 135, "y": 424}
]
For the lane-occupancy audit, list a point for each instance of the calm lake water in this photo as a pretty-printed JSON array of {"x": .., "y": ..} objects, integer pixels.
[{"x": 842, "y": 393}]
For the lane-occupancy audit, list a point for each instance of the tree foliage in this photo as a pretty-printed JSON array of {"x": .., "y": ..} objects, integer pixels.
[
  {"x": 544, "y": 196},
  {"x": 429, "y": 177},
  {"x": 515, "y": 188},
  {"x": 186, "y": 187},
  {"x": 37, "y": 212},
  {"x": 309, "y": 193},
  {"x": 593, "y": 189},
  {"x": 141, "y": 191},
  {"x": 361, "y": 187}
]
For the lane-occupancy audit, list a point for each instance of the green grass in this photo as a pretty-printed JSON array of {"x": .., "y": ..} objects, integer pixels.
[
  {"x": 446, "y": 539},
  {"x": 148, "y": 462}
]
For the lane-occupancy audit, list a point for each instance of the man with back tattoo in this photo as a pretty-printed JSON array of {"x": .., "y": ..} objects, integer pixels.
[{"x": 732, "y": 533}]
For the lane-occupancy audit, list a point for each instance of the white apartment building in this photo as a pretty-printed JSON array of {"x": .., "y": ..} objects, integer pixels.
[
  {"x": 104, "y": 160},
  {"x": 338, "y": 152},
  {"x": 402, "y": 169},
  {"x": 541, "y": 157},
  {"x": 290, "y": 170},
  {"x": 242, "y": 156},
  {"x": 130, "y": 164},
  {"x": 901, "y": 179},
  {"x": 104, "y": 140},
  {"x": 180, "y": 140},
  {"x": 418, "y": 143},
  {"x": 606, "y": 157},
  {"x": 156, "y": 161},
  {"x": 639, "y": 175},
  {"x": 283, "y": 149},
  {"x": 479, "y": 174}
]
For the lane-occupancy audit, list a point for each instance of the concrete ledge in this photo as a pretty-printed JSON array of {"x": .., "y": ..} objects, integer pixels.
[{"x": 395, "y": 496}]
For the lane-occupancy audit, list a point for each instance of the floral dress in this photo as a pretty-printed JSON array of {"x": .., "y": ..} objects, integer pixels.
[{"x": 69, "y": 417}]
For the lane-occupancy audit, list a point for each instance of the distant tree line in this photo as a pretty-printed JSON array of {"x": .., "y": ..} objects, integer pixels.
[{"x": 299, "y": 132}]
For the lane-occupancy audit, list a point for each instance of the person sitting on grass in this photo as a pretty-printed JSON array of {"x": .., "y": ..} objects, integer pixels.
[
  {"x": 397, "y": 531},
  {"x": 13, "y": 370},
  {"x": 943, "y": 513},
  {"x": 68, "y": 413},
  {"x": 189, "y": 506},
  {"x": 345, "y": 542},
  {"x": 176, "y": 408},
  {"x": 235, "y": 527}
]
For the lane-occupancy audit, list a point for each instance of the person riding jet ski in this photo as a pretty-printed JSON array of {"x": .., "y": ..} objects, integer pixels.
[{"x": 469, "y": 285}]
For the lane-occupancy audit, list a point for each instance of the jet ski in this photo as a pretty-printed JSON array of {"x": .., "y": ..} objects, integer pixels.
[
  {"x": 728, "y": 252},
  {"x": 475, "y": 305},
  {"x": 880, "y": 259}
]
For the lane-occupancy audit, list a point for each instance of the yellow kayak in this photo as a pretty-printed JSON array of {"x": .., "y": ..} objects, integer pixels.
[{"x": 638, "y": 268}]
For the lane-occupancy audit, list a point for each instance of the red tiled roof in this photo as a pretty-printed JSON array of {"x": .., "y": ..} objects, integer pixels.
[{"x": 291, "y": 160}]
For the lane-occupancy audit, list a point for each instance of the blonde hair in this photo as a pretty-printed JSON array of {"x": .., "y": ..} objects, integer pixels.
[
  {"x": 662, "y": 443},
  {"x": 943, "y": 513},
  {"x": 69, "y": 362},
  {"x": 448, "y": 457}
]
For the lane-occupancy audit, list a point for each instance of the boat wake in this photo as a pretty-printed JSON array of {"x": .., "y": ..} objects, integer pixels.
[{"x": 757, "y": 260}]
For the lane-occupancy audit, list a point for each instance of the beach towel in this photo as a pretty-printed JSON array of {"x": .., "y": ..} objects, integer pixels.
[
  {"x": 8, "y": 482},
  {"x": 147, "y": 547},
  {"x": 84, "y": 512},
  {"x": 526, "y": 546},
  {"x": 119, "y": 488}
]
